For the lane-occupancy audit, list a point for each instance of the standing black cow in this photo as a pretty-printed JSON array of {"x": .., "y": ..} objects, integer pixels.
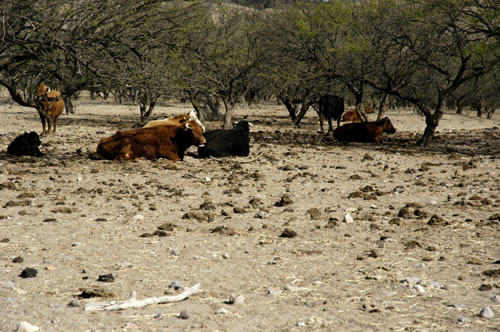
[
  {"x": 225, "y": 143},
  {"x": 330, "y": 107},
  {"x": 25, "y": 145}
]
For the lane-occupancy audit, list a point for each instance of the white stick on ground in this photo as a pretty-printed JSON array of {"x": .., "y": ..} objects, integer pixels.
[{"x": 133, "y": 303}]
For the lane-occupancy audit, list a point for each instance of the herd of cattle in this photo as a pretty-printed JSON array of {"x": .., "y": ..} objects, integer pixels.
[{"x": 170, "y": 138}]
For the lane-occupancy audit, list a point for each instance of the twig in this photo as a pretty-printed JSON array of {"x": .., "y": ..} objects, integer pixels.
[{"x": 133, "y": 303}]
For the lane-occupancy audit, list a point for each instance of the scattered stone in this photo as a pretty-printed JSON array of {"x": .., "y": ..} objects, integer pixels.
[
  {"x": 456, "y": 305},
  {"x": 176, "y": 285},
  {"x": 28, "y": 273},
  {"x": 235, "y": 299},
  {"x": 207, "y": 206},
  {"x": 73, "y": 304},
  {"x": 221, "y": 311},
  {"x": 462, "y": 319},
  {"x": 288, "y": 233},
  {"x": 238, "y": 209},
  {"x": 347, "y": 218},
  {"x": 138, "y": 217},
  {"x": 87, "y": 293},
  {"x": 285, "y": 200},
  {"x": 437, "y": 221},
  {"x": 274, "y": 292},
  {"x": 169, "y": 227},
  {"x": 27, "y": 327},
  {"x": 332, "y": 223},
  {"x": 492, "y": 273},
  {"x": 183, "y": 314},
  {"x": 314, "y": 213},
  {"x": 223, "y": 230},
  {"x": 4, "y": 240},
  {"x": 495, "y": 298},
  {"x": 49, "y": 220},
  {"x": 485, "y": 287},
  {"x": 50, "y": 268},
  {"x": 106, "y": 278},
  {"x": 486, "y": 312},
  {"x": 18, "y": 259}
]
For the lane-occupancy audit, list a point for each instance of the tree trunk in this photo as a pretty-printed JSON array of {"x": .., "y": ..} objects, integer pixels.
[
  {"x": 291, "y": 108},
  {"x": 382, "y": 106},
  {"x": 432, "y": 121},
  {"x": 150, "y": 109},
  {"x": 68, "y": 105},
  {"x": 303, "y": 110},
  {"x": 228, "y": 115},
  {"x": 359, "y": 107}
]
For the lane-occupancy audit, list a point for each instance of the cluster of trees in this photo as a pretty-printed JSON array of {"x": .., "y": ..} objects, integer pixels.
[{"x": 427, "y": 53}]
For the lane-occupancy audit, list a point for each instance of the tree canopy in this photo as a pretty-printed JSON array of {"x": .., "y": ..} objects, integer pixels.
[{"x": 426, "y": 53}]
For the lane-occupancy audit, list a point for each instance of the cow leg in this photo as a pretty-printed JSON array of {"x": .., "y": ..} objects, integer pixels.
[
  {"x": 49, "y": 125},
  {"x": 54, "y": 122},
  {"x": 42, "y": 118},
  {"x": 321, "y": 119},
  {"x": 330, "y": 126}
]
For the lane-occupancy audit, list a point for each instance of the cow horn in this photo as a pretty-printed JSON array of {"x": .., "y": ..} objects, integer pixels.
[{"x": 188, "y": 126}]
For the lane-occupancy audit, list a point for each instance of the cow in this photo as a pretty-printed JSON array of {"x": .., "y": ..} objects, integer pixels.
[
  {"x": 351, "y": 115},
  {"x": 227, "y": 142},
  {"x": 25, "y": 145},
  {"x": 176, "y": 120},
  {"x": 330, "y": 107},
  {"x": 364, "y": 131},
  {"x": 50, "y": 106},
  {"x": 167, "y": 141}
]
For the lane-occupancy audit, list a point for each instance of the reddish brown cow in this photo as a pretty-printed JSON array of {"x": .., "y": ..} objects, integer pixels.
[
  {"x": 364, "y": 131},
  {"x": 49, "y": 106},
  {"x": 168, "y": 141},
  {"x": 351, "y": 115}
]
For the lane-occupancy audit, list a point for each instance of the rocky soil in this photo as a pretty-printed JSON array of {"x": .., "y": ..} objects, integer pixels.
[{"x": 305, "y": 234}]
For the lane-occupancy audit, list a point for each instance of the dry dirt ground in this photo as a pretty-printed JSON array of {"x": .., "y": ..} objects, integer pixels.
[{"x": 265, "y": 235}]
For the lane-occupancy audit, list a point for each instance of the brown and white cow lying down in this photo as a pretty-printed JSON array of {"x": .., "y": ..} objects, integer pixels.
[
  {"x": 351, "y": 115},
  {"x": 176, "y": 120},
  {"x": 364, "y": 131},
  {"x": 166, "y": 141}
]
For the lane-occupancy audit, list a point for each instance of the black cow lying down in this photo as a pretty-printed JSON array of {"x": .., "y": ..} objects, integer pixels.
[
  {"x": 25, "y": 145},
  {"x": 227, "y": 142}
]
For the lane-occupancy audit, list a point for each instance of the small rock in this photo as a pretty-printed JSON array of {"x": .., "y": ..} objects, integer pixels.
[
  {"x": 225, "y": 256},
  {"x": 138, "y": 217},
  {"x": 18, "y": 259},
  {"x": 221, "y": 311},
  {"x": 236, "y": 299},
  {"x": 301, "y": 324},
  {"x": 348, "y": 219},
  {"x": 437, "y": 221},
  {"x": 462, "y": 319},
  {"x": 456, "y": 305},
  {"x": 176, "y": 285},
  {"x": 274, "y": 292},
  {"x": 486, "y": 312},
  {"x": 485, "y": 287},
  {"x": 106, "y": 278},
  {"x": 50, "y": 268},
  {"x": 419, "y": 288},
  {"x": 28, "y": 273},
  {"x": 495, "y": 298},
  {"x": 27, "y": 327},
  {"x": 288, "y": 233},
  {"x": 183, "y": 314},
  {"x": 314, "y": 213}
]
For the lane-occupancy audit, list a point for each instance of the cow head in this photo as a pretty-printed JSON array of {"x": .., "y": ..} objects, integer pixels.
[
  {"x": 194, "y": 116},
  {"x": 196, "y": 132},
  {"x": 387, "y": 125},
  {"x": 42, "y": 90}
]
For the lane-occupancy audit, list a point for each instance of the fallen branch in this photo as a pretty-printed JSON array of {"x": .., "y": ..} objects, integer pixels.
[{"x": 133, "y": 303}]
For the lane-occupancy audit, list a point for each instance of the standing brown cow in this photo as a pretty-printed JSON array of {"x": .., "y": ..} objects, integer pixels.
[
  {"x": 167, "y": 141},
  {"x": 49, "y": 106},
  {"x": 364, "y": 131}
]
